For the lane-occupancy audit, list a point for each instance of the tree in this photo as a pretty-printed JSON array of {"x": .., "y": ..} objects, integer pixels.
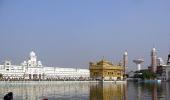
[
  {"x": 1, "y": 75},
  {"x": 145, "y": 74}
]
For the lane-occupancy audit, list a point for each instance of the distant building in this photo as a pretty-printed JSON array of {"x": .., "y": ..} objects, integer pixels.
[
  {"x": 138, "y": 62},
  {"x": 153, "y": 60},
  {"x": 33, "y": 70},
  {"x": 125, "y": 62},
  {"x": 168, "y": 60},
  {"x": 104, "y": 70},
  {"x": 162, "y": 69},
  {"x": 160, "y": 61}
]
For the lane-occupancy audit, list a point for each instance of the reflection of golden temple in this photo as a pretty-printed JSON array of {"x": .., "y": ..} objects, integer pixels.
[
  {"x": 107, "y": 92},
  {"x": 105, "y": 70},
  {"x": 154, "y": 92}
]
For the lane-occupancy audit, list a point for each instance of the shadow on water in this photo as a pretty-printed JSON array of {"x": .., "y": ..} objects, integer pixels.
[{"x": 86, "y": 91}]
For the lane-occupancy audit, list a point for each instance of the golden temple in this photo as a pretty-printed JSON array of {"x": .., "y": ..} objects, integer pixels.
[{"x": 105, "y": 70}]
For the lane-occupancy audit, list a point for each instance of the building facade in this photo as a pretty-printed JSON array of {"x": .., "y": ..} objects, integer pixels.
[
  {"x": 163, "y": 70},
  {"x": 153, "y": 60},
  {"x": 165, "y": 73},
  {"x": 104, "y": 70},
  {"x": 32, "y": 69},
  {"x": 125, "y": 62}
]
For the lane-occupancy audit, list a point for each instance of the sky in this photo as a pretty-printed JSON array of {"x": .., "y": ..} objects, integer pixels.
[{"x": 71, "y": 33}]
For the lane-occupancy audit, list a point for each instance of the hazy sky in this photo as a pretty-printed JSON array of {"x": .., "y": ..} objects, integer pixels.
[{"x": 70, "y": 33}]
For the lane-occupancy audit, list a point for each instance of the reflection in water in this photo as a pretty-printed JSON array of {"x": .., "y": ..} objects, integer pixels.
[
  {"x": 148, "y": 91},
  {"x": 107, "y": 91},
  {"x": 154, "y": 92},
  {"x": 85, "y": 91},
  {"x": 50, "y": 90}
]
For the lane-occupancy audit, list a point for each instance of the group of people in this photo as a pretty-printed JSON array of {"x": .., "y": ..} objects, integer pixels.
[{"x": 9, "y": 96}]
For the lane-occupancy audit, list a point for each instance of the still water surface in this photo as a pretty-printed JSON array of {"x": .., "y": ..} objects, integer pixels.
[{"x": 86, "y": 91}]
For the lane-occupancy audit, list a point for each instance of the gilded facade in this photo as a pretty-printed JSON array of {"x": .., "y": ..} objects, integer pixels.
[{"x": 105, "y": 70}]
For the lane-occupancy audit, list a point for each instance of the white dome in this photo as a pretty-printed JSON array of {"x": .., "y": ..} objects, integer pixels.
[
  {"x": 32, "y": 53},
  {"x": 153, "y": 49},
  {"x": 24, "y": 62},
  {"x": 39, "y": 62},
  {"x": 125, "y": 53}
]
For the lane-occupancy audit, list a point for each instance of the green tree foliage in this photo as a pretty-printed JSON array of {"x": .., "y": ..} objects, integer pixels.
[
  {"x": 1, "y": 75},
  {"x": 145, "y": 74}
]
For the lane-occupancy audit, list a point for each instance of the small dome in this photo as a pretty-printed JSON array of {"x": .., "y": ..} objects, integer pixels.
[
  {"x": 32, "y": 53},
  {"x": 153, "y": 49},
  {"x": 125, "y": 53},
  {"x": 39, "y": 62}
]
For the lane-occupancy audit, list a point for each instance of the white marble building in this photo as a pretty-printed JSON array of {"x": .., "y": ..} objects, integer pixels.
[
  {"x": 33, "y": 69},
  {"x": 166, "y": 73}
]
